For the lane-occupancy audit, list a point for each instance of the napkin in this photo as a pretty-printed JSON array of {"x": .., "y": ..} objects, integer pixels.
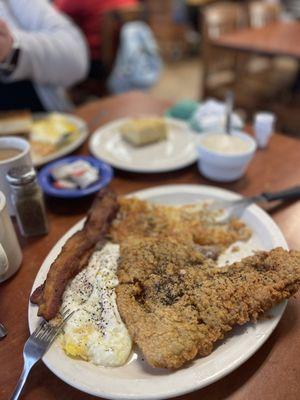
[
  {"x": 210, "y": 116},
  {"x": 184, "y": 110}
]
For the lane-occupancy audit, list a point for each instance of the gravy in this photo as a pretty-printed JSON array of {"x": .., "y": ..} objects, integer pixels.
[{"x": 226, "y": 144}]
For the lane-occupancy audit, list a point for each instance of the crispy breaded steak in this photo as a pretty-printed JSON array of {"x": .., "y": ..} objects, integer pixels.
[
  {"x": 176, "y": 304},
  {"x": 135, "y": 218},
  {"x": 140, "y": 218}
]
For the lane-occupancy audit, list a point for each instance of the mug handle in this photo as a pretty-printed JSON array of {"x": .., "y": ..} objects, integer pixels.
[{"x": 3, "y": 261}]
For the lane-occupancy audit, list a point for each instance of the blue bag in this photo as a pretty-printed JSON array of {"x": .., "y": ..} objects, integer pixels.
[{"x": 138, "y": 64}]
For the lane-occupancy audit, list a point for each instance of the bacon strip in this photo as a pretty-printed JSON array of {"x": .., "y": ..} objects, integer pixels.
[{"x": 75, "y": 254}]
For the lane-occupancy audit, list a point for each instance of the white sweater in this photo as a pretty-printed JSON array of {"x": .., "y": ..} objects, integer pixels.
[{"x": 53, "y": 51}]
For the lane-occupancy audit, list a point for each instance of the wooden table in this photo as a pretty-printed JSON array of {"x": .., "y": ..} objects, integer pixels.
[
  {"x": 198, "y": 3},
  {"x": 273, "y": 373},
  {"x": 276, "y": 39}
]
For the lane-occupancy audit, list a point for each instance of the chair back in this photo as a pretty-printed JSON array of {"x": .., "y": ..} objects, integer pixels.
[
  {"x": 113, "y": 21},
  {"x": 261, "y": 13},
  {"x": 168, "y": 30},
  {"x": 223, "y": 17},
  {"x": 217, "y": 19}
]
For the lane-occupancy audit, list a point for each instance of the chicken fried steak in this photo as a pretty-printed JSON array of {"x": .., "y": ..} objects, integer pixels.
[
  {"x": 140, "y": 218},
  {"x": 176, "y": 304}
]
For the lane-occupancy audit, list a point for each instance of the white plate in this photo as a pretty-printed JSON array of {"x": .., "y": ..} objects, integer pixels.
[
  {"x": 178, "y": 151},
  {"x": 136, "y": 380},
  {"x": 83, "y": 133}
]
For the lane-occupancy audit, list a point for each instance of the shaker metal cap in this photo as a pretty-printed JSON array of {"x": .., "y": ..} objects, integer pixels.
[{"x": 21, "y": 175}]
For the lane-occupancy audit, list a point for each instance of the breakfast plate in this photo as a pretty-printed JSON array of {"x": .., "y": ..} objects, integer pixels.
[
  {"x": 177, "y": 151},
  {"x": 78, "y": 127},
  {"x": 136, "y": 379}
]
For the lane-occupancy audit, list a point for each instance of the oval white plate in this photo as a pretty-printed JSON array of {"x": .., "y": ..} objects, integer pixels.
[
  {"x": 177, "y": 151},
  {"x": 63, "y": 151},
  {"x": 136, "y": 380}
]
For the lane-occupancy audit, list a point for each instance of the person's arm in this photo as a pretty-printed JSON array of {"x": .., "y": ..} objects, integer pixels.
[
  {"x": 53, "y": 50},
  {"x": 6, "y": 41}
]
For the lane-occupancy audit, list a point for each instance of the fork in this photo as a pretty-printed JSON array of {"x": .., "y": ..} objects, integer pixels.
[
  {"x": 233, "y": 206},
  {"x": 36, "y": 346}
]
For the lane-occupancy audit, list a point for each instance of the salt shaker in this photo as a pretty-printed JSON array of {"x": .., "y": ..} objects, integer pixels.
[
  {"x": 263, "y": 128},
  {"x": 28, "y": 201}
]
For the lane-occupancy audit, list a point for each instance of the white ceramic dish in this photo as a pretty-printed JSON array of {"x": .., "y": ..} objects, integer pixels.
[
  {"x": 83, "y": 133},
  {"x": 178, "y": 151},
  {"x": 136, "y": 380},
  {"x": 224, "y": 167}
]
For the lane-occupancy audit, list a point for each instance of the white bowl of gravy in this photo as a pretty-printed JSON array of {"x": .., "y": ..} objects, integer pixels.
[{"x": 225, "y": 158}]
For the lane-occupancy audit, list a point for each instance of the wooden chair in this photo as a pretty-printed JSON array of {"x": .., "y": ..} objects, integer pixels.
[
  {"x": 169, "y": 34},
  {"x": 112, "y": 23},
  {"x": 219, "y": 66},
  {"x": 263, "y": 81},
  {"x": 261, "y": 13},
  {"x": 254, "y": 79},
  {"x": 275, "y": 74}
]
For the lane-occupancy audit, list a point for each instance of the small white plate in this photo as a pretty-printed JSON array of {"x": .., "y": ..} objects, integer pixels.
[
  {"x": 63, "y": 151},
  {"x": 137, "y": 380},
  {"x": 177, "y": 151}
]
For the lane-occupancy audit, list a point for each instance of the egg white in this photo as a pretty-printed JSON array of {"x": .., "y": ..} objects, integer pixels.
[
  {"x": 96, "y": 332},
  {"x": 52, "y": 129}
]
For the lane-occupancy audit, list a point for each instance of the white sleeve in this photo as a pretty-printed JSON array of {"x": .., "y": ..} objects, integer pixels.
[{"x": 53, "y": 51}]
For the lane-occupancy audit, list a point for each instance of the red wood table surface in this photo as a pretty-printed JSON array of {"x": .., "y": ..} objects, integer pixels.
[
  {"x": 272, "y": 373},
  {"x": 280, "y": 38}
]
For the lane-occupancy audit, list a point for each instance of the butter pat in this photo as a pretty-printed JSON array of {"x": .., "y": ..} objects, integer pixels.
[{"x": 142, "y": 131}]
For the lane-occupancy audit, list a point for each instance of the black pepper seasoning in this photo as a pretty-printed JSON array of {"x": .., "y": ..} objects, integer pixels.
[{"x": 28, "y": 201}]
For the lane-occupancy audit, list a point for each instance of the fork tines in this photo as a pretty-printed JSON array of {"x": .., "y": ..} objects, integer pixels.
[
  {"x": 64, "y": 312},
  {"x": 47, "y": 331}
]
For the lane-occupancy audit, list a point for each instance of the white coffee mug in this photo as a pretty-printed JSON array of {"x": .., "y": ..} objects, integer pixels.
[
  {"x": 23, "y": 158},
  {"x": 10, "y": 251}
]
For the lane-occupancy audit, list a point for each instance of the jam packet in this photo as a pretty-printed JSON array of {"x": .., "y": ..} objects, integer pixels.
[{"x": 79, "y": 174}]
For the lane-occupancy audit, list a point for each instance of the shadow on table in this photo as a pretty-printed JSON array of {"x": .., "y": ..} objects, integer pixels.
[
  {"x": 69, "y": 206},
  {"x": 277, "y": 207},
  {"x": 151, "y": 177},
  {"x": 182, "y": 176}
]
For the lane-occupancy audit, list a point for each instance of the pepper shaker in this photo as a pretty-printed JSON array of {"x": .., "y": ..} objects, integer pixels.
[{"x": 28, "y": 201}]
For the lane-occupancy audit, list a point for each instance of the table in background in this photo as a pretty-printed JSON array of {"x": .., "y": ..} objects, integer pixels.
[
  {"x": 274, "y": 39},
  {"x": 198, "y": 3},
  {"x": 273, "y": 372}
]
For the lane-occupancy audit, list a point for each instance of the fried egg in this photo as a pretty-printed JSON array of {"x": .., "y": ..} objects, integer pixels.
[
  {"x": 55, "y": 129},
  {"x": 96, "y": 332}
]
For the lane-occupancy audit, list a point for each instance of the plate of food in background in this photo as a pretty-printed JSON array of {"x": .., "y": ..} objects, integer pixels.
[
  {"x": 51, "y": 135},
  {"x": 163, "y": 319},
  {"x": 145, "y": 144}
]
